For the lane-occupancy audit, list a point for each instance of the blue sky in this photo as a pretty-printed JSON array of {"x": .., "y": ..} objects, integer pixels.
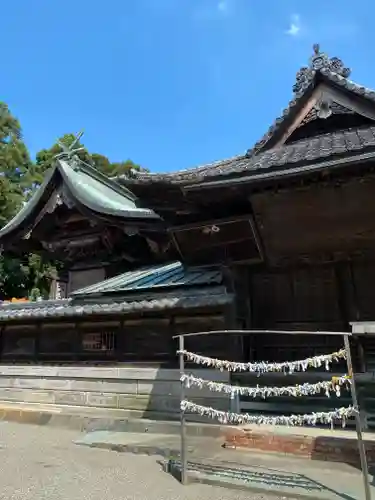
[{"x": 170, "y": 84}]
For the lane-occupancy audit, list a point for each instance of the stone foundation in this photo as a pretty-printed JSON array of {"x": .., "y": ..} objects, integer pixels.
[{"x": 117, "y": 389}]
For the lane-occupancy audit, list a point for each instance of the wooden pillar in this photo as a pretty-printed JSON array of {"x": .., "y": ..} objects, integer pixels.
[
  {"x": 78, "y": 342},
  {"x": 231, "y": 312},
  {"x": 173, "y": 342},
  {"x": 248, "y": 340},
  {"x": 348, "y": 305},
  {"x": 361, "y": 356},
  {"x": 119, "y": 339},
  {"x": 355, "y": 315},
  {"x": 37, "y": 342},
  {"x": 1, "y": 341},
  {"x": 343, "y": 287}
]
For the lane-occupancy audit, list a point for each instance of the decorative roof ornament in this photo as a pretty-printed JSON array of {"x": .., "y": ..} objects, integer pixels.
[
  {"x": 69, "y": 152},
  {"x": 319, "y": 61},
  {"x": 324, "y": 108}
]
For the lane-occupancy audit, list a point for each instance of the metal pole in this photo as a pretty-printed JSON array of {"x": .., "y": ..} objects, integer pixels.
[
  {"x": 361, "y": 445},
  {"x": 183, "y": 457}
]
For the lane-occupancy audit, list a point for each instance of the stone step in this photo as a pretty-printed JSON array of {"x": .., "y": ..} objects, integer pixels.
[
  {"x": 150, "y": 426},
  {"x": 164, "y": 445},
  {"x": 91, "y": 419}
]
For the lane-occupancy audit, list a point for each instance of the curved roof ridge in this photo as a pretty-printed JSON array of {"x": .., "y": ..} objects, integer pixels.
[
  {"x": 88, "y": 188},
  {"x": 100, "y": 194},
  {"x": 350, "y": 85},
  {"x": 305, "y": 151},
  {"x": 320, "y": 65},
  {"x": 253, "y": 152},
  {"x": 104, "y": 179},
  {"x": 193, "y": 170}
]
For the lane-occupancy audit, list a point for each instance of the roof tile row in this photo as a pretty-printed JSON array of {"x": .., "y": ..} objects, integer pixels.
[
  {"x": 305, "y": 151},
  {"x": 45, "y": 310}
]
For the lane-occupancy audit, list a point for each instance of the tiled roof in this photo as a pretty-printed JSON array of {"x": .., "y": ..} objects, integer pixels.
[
  {"x": 329, "y": 75},
  {"x": 304, "y": 152},
  {"x": 155, "y": 278},
  {"x": 68, "y": 308},
  {"x": 321, "y": 68}
]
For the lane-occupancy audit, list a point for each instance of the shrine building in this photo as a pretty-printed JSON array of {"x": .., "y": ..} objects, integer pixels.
[{"x": 280, "y": 237}]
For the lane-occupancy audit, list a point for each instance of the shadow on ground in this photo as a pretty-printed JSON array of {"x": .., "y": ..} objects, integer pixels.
[{"x": 256, "y": 478}]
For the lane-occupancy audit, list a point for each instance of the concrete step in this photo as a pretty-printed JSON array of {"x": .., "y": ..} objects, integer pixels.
[
  {"x": 94, "y": 419},
  {"x": 165, "y": 427},
  {"x": 163, "y": 445}
]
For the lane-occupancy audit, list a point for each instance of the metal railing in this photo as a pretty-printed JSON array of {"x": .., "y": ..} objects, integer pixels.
[{"x": 345, "y": 335}]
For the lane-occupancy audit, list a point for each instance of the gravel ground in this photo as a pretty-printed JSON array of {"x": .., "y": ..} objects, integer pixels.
[{"x": 41, "y": 463}]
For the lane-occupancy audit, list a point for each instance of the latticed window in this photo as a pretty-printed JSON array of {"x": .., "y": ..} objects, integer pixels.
[{"x": 98, "y": 342}]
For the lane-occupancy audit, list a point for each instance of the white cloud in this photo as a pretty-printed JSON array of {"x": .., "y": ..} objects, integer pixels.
[
  {"x": 213, "y": 10},
  {"x": 294, "y": 26},
  {"x": 222, "y": 6}
]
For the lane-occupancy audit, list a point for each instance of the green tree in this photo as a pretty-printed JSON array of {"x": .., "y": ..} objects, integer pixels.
[
  {"x": 44, "y": 159},
  {"x": 15, "y": 161},
  {"x": 26, "y": 276},
  {"x": 9, "y": 202},
  {"x": 27, "y": 273},
  {"x": 10, "y": 129}
]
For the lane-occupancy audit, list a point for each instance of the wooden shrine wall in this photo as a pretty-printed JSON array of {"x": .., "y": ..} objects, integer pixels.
[
  {"x": 298, "y": 299},
  {"x": 317, "y": 223},
  {"x": 326, "y": 297},
  {"x": 134, "y": 340},
  {"x": 86, "y": 277},
  {"x": 120, "y": 368},
  {"x": 311, "y": 298}
]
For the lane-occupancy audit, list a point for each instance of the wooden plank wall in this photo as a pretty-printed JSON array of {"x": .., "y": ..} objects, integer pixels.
[
  {"x": 137, "y": 340},
  {"x": 310, "y": 298}
]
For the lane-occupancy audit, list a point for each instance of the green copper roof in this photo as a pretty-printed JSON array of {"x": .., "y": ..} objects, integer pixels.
[
  {"x": 152, "y": 289},
  {"x": 35, "y": 204},
  {"x": 87, "y": 187},
  {"x": 155, "y": 279},
  {"x": 99, "y": 193}
]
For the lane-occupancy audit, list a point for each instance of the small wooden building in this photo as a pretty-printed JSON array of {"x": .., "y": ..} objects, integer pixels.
[{"x": 281, "y": 237}]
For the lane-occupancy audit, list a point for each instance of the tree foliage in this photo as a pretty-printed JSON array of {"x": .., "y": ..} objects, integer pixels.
[
  {"x": 28, "y": 275},
  {"x": 44, "y": 159},
  {"x": 18, "y": 276}
]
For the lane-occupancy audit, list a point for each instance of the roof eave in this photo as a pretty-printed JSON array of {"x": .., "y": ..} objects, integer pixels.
[
  {"x": 276, "y": 175},
  {"x": 160, "y": 306},
  {"x": 36, "y": 203},
  {"x": 86, "y": 202},
  {"x": 104, "y": 179},
  {"x": 143, "y": 294},
  {"x": 278, "y": 128}
]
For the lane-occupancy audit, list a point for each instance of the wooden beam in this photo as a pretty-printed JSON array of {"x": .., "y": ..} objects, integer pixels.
[
  {"x": 210, "y": 222},
  {"x": 316, "y": 95}
]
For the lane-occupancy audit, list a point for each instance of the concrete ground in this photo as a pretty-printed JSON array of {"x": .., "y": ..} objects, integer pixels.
[
  {"x": 40, "y": 463},
  {"x": 285, "y": 475}
]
